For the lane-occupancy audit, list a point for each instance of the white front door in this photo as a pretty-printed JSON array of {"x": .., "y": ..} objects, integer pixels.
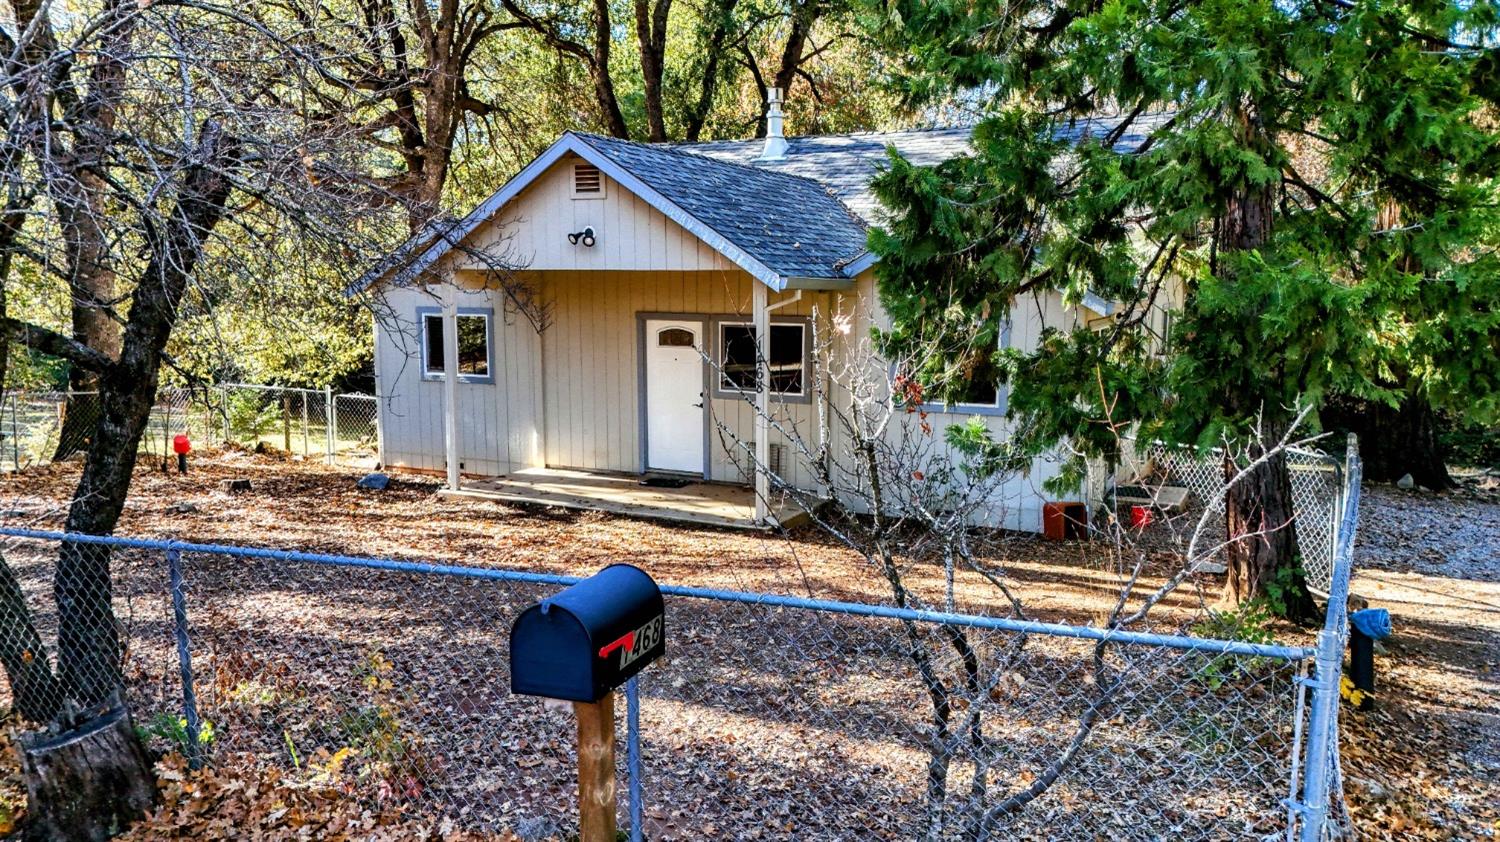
[{"x": 674, "y": 395}]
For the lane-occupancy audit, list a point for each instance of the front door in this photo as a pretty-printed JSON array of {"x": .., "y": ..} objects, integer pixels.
[{"x": 674, "y": 395}]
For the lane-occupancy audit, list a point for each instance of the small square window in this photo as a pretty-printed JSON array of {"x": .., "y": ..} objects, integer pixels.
[
  {"x": 473, "y": 345},
  {"x": 737, "y": 358}
]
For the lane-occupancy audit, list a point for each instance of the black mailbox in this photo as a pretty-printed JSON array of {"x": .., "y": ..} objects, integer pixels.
[{"x": 587, "y": 640}]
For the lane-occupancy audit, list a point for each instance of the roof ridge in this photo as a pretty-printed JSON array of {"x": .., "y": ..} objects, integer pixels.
[
  {"x": 668, "y": 147},
  {"x": 866, "y": 133}
]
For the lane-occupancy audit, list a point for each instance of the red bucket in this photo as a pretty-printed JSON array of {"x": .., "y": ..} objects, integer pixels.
[
  {"x": 1141, "y": 517},
  {"x": 180, "y": 445}
]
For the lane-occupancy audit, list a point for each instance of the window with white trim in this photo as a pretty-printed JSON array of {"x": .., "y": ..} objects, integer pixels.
[
  {"x": 473, "y": 346},
  {"x": 787, "y": 358},
  {"x": 978, "y": 387}
]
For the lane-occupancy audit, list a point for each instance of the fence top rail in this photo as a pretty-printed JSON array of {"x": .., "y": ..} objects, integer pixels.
[
  {"x": 858, "y": 609},
  {"x": 264, "y": 388}
]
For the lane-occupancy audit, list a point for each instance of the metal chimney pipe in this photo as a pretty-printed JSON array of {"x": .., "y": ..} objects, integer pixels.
[{"x": 775, "y": 149}]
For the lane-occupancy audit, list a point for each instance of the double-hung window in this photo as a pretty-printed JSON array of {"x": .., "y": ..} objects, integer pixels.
[
  {"x": 787, "y": 358},
  {"x": 474, "y": 338}
]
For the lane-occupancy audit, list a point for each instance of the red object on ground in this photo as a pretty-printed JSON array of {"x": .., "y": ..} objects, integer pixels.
[
  {"x": 1141, "y": 517},
  {"x": 1061, "y": 521},
  {"x": 181, "y": 445}
]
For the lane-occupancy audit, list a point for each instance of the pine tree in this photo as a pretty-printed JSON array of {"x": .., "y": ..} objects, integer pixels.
[{"x": 1310, "y": 186}]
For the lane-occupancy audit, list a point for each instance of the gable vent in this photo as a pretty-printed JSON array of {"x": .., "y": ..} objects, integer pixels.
[{"x": 588, "y": 182}]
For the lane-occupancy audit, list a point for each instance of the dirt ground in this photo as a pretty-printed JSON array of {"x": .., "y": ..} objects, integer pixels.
[
  {"x": 1422, "y": 765},
  {"x": 307, "y": 506},
  {"x": 1426, "y": 763}
]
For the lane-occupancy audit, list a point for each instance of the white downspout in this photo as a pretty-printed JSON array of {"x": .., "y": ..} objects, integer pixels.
[
  {"x": 761, "y": 315},
  {"x": 785, "y": 301}
]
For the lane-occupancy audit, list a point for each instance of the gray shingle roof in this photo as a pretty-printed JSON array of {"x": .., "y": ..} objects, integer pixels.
[
  {"x": 845, "y": 164},
  {"x": 803, "y": 215},
  {"x": 794, "y": 225}
]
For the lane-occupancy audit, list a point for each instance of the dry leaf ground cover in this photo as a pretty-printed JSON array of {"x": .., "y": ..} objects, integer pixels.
[{"x": 790, "y": 737}]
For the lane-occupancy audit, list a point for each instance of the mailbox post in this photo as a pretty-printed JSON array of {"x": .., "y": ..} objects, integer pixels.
[{"x": 578, "y": 646}]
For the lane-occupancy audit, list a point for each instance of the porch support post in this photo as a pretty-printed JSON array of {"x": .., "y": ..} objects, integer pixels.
[
  {"x": 762, "y": 319},
  {"x": 450, "y": 384}
]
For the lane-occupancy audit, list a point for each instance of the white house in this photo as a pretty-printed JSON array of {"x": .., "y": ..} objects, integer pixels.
[{"x": 646, "y": 258}]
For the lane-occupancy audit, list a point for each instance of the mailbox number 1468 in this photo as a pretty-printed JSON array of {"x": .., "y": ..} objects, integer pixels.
[{"x": 634, "y": 644}]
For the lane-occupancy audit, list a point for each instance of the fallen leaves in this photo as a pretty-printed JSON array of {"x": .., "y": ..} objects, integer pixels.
[{"x": 238, "y": 798}]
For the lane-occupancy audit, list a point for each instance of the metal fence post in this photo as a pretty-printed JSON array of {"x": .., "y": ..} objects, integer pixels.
[
  {"x": 1323, "y": 725},
  {"x": 303, "y": 393},
  {"x": 328, "y": 421},
  {"x": 633, "y": 754},
  {"x": 184, "y": 660},
  {"x": 1321, "y": 730},
  {"x": 15, "y": 434},
  {"x": 333, "y": 425}
]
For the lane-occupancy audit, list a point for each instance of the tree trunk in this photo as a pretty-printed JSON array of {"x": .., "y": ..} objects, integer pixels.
[
  {"x": 1258, "y": 509},
  {"x": 604, "y": 83},
  {"x": 1394, "y": 442},
  {"x": 33, "y": 689},
  {"x": 651, "y": 36},
  {"x": 1262, "y": 555},
  {"x": 80, "y": 411},
  {"x": 106, "y": 774},
  {"x": 697, "y": 114},
  {"x": 87, "y": 783},
  {"x": 803, "y": 16}
]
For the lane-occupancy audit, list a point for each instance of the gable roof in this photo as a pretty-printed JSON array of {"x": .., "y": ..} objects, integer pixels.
[
  {"x": 801, "y": 218},
  {"x": 776, "y": 226},
  {"x": 792, "y": 224}
]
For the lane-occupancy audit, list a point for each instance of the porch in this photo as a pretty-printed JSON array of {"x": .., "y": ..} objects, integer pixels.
[{"x": 699, "y": 503}]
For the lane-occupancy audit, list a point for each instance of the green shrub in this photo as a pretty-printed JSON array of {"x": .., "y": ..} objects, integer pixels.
[{"x": 173, "y": 730}]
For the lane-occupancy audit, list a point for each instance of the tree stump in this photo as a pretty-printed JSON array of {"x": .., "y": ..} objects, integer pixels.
[{"x": 87, "y": 783}]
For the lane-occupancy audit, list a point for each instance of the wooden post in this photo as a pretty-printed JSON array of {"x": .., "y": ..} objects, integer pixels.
[
  {"x": 286, "y": 422},
  {"x": 450, "y": 387},
  {"x": 596, "y": 769}
]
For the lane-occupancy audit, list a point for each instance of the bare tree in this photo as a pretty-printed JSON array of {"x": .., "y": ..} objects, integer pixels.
[
  {"x": 918, "y": 505},
  {"x": 398, "y": 75},
  {"x": 163, "y": 161}
]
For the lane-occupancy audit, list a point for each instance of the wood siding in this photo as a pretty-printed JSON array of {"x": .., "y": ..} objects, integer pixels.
[
  {"x": 1017, "y": 504},
  {"x": 592, "y": 362},
  {"x": 630, "y": 234},
  {"x": 499, "y": 422}
]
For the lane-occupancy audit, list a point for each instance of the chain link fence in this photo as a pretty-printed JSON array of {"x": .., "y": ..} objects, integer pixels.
[
  {"x": 1317, "y": 488},
  {"x": 771, "y": 717},
  {"x": 339, "y": 429}
]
